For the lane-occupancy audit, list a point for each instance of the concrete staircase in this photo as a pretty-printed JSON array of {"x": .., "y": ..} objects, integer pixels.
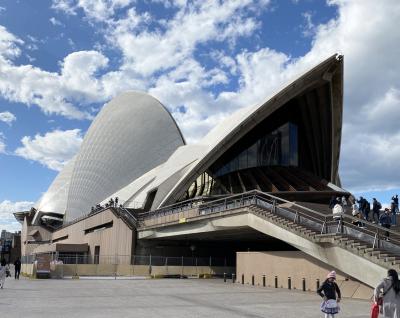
[{"x": 354, "y": 245}]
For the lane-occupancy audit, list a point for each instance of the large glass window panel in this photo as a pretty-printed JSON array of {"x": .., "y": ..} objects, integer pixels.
[{"x": 279, "y": 147}]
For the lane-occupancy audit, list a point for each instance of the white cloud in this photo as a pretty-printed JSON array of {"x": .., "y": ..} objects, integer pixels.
[
  {"x": 55, "y": 22},
  {"x": 146, "y": 52},
  {"x": 52, "y": 149},
  {"x": 2, "y": 143},
  {"x": 98, "y": 10},
  {"x": 54, "y": 93},
  {"x": 162, "y": 60},
  {"x": 7, "y": 117},
  {"x": 9, "y": 44},
  {"x": 309, "y": 27},
  {"x": 7, "y": 219}
]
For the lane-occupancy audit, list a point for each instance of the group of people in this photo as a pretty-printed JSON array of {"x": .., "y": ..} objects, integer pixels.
[
  {"x": 111, "y": 203},
  {"x": 5, "y": 270},
  {"x": 386, "y": 296},
  {"x": 361, "y": 210}
]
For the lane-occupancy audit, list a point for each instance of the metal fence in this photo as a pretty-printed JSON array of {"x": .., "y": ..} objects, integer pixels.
[{"x": 149, "y": 260}]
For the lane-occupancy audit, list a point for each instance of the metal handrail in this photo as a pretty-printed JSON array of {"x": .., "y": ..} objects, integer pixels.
[{"x": 247, "y": 198}]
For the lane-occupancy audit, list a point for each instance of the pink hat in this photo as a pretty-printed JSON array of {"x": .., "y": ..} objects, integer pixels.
[{"x": 331, "y": 275}]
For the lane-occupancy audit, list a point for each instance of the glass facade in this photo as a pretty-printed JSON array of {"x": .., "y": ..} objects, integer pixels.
[{"x": 277, "y": 148}]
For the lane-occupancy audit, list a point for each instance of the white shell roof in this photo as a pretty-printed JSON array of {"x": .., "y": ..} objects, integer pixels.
[
  {"x": 186, "y": 161},
  {"x": 134, "y": 146},
  {"x": 162, "y": 178},
  {"x": 55, "y": 199},
  {"x": 240, "y": 121},
  {"x": 130, "y": 136}
]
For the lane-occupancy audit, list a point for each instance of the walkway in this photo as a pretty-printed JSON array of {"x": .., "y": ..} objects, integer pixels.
[{"x": 160, "y": 298}]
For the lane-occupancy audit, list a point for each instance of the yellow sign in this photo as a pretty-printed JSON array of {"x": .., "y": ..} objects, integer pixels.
[{"x": 182, "y": 220}]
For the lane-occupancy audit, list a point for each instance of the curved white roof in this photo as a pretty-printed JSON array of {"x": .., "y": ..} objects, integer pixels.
[
  {"x": 187, "y": 162},
  {"x": 55, "y": 199},
  {"x": 163, "y": 178},
  {"x": 130, "y": 136},
  {"x": 239, "y": 123}
]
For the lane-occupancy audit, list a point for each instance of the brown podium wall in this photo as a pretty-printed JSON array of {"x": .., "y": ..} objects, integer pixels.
[{"x": 296, "y": 265}]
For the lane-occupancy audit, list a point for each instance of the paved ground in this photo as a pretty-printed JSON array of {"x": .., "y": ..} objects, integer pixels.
[{"x": 159, "y": 298}]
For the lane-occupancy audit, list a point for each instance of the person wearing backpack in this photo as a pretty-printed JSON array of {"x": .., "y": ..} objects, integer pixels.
[
  {"x": 387, "y": 293},
  {"x": 376, "y": 206}
]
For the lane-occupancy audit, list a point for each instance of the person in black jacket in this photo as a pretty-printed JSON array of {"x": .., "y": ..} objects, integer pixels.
[
  {"x": 330, "y": 292},
  {"x": 386, "y": 221},
  {"x": 17, "y": 268}
]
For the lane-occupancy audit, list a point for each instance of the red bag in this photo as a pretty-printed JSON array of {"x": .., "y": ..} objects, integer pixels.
[{"x": 374, "y": 310}]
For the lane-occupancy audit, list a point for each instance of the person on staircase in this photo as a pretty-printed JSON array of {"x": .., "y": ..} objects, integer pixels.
[
  {"x": 386, "y": 220},
  {"x": 376, "y": 207},
  {"x": 393, "y": 210},
  {"x": 338, "y": 212}
]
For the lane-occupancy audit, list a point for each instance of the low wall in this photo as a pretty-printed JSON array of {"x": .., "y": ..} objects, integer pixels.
[
  {"x": 60, "y": 271},
  {"x": 296, "y": 265}
]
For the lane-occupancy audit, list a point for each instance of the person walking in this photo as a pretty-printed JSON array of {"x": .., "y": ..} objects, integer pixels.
[
  {"x": 376, "y": 206},
  {"x": 331, "y": 295},
  {"x": 338, "y": 212},
  {"x": 344, "y": 204},
  {"x": 367, "y": 209},
  {"x": 17, "y": 268},
  {"x": 393, "y": 210},
  {"x": 386, "y": 221},
  {"x": 3, "y": 270},
  {"x": 388, "y": 291}
]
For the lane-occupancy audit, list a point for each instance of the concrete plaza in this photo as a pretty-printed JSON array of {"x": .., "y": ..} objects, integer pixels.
[{"x": 178, "y": 298}]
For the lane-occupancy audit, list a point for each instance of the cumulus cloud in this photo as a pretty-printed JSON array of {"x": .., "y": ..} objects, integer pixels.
[
  {"x": 202, "y": 21},
  {"x": 55, "y": 93},
  {"x": 98, "y": 10},
  {"x": 7, "y": 208},
  {"x": 52, "y": 149},
  {"x": 9, "y": 44},
  {"x": 157, "y": 56},
  {"x": 7, "y": 117}
]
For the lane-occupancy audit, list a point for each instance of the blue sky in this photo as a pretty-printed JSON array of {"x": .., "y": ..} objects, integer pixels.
[{"x": 61, "y": 60}]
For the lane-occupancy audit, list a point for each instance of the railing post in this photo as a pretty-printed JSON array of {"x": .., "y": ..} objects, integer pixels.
[
  {"x": 378, "y": 240},
  {"x": 182, "y": 268},
  {"x": 324, "y": 227},
  {"x": 150, "y": 265}
]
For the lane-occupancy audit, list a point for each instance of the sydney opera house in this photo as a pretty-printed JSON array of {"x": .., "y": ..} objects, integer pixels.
[{"x": 287, "y": 146}]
